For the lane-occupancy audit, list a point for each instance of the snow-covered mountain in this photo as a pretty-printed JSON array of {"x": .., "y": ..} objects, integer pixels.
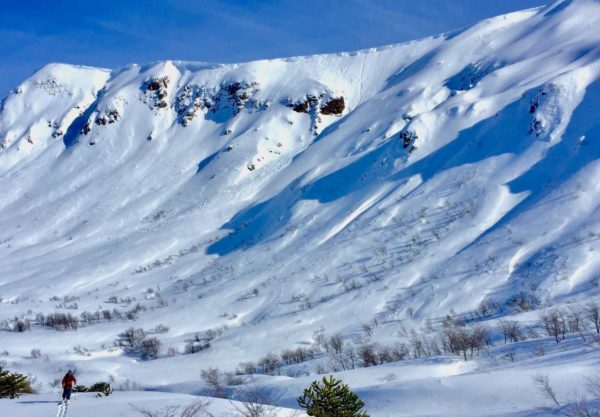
[{"x": 366, "y": 192}]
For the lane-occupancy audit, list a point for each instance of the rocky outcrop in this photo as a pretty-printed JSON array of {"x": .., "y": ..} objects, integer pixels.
[
  {"x": 536, "y": 126},
  {"x": 56, "y": 129},
  {"x": 156, "y": 90},
  {"x": 316, "y": 106},
  {"x": 52, "y": 86},
  {"x": 231, "y": 97},
  {"x": 408, "y": 139},
  {"x": 333, "y": 106},
  {"x": 192, "y": 99},
  {"x": 87, "y": 128},
  {"x": 110, "y": 116}
]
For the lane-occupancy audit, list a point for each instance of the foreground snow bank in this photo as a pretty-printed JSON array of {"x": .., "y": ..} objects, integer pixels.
[{"x": 121, "y": 404}]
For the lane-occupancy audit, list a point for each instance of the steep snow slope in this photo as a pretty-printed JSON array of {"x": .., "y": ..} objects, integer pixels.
[{"x": 279, "y": 197}]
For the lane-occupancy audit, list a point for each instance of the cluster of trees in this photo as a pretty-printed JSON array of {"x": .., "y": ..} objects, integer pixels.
[
  {"x": 521, "y": 302},
  {"x": 110, "y": 315},
  {"x": 217, "y": 381},
  {"x": 271, "y": 363},
  {"x": 558, "y": 322},
  {"x": 462, "y": 340},
  {"x": 136, "y": 342},
  {"x": 201, "y": 341},
  {"x": 15, "y": 325},
  {"x": 461, "y": 336},
  {"x": 68, "y": 321},
  {"x": 58, "y": 321}
]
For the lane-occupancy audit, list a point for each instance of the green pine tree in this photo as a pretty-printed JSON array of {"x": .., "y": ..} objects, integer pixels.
[
  {"x": 331, "y": 398},
  {"x": 13, "y": 384}
]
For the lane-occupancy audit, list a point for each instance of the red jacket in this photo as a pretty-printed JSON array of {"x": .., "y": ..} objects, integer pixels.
[{"x": 67, "y": 381}]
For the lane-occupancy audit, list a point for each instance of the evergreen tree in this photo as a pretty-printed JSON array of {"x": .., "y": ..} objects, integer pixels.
[
  {"x": 331, "y": 398},
  {"x": 13, "y": 384}
]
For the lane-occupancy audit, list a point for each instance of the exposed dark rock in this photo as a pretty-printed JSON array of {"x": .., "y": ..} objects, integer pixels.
[
  {"x": 333, "y": 106},
  {"x": 300, "y": 107},
  {"x": 86, "y": 128},
  {"x": 233, "y": 88},
  {"x": 110, "y": 116},
  {"x": 155, "y": 84},
  {"x": 408, "y": 138},
  {"x": 228, "y": 97},
  {"x": 536, "y": 126},
  {"x": 157, "y": 89},
  {"x": 315, "y": 106}
]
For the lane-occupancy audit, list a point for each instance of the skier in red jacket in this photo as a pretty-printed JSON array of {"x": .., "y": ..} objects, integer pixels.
[{"x": 67, "y": 384}]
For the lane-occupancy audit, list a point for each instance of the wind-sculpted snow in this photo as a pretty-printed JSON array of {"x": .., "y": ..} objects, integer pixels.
[{"x": 273, "y": 198}]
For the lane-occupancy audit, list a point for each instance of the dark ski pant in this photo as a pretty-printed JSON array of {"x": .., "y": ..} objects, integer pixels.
[{"x": 66, "y": 394}]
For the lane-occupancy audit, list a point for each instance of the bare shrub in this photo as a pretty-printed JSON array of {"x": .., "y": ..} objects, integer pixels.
[
  {"x": 213, "y": 379},
  {"x": 337, "y": 343},
  {"x": 253, "y": 403},
  {"x": 347, "y": 359},
  {"x": 150, "y": 348},
  {"x": 511, "y": 331},
  {"x": 129, "y": 385},
  {"x": 36, "y": 353},
  {"x": 195, "y": 409},
  {"x": 543, "y": 383},
  {"x": 298, "y": 355},
  {"x": 21, "y": 325},
  {"x": 592, "y": 313},
  {"x": 195, "y": 346},
  {"x": 247, "y": 368},
  {"x": 488, "y": 307},
  {"x": 59, "y": 321},
  {"x": 367, "y": 354},
  {"x": 270, "y": 364},
  {"x": 161, "y": 328},
  {"x": 539, "y": 349},
  {"x": 574, "y": 319},
  {"x": 131, "y": 339},
  {"x": 90, "y": 318},
  {"x": 524, "y": 301},
  {"x": 554, "y": 323},
  {"x": 233, "y": 379},
  {"x": 320, "y": 340},
  {"x": 462, "y": 340},
  {"x": 581, "y": 407},
  {"x": 593, "y": 385},
  {"x": 134, "y": 313}
]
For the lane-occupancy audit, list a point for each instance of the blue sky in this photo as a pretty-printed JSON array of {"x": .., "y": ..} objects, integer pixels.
[{"x": 115, "y": 33}]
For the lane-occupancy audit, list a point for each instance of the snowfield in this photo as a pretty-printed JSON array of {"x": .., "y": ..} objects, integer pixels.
[{"x": 382, "y": 196}]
